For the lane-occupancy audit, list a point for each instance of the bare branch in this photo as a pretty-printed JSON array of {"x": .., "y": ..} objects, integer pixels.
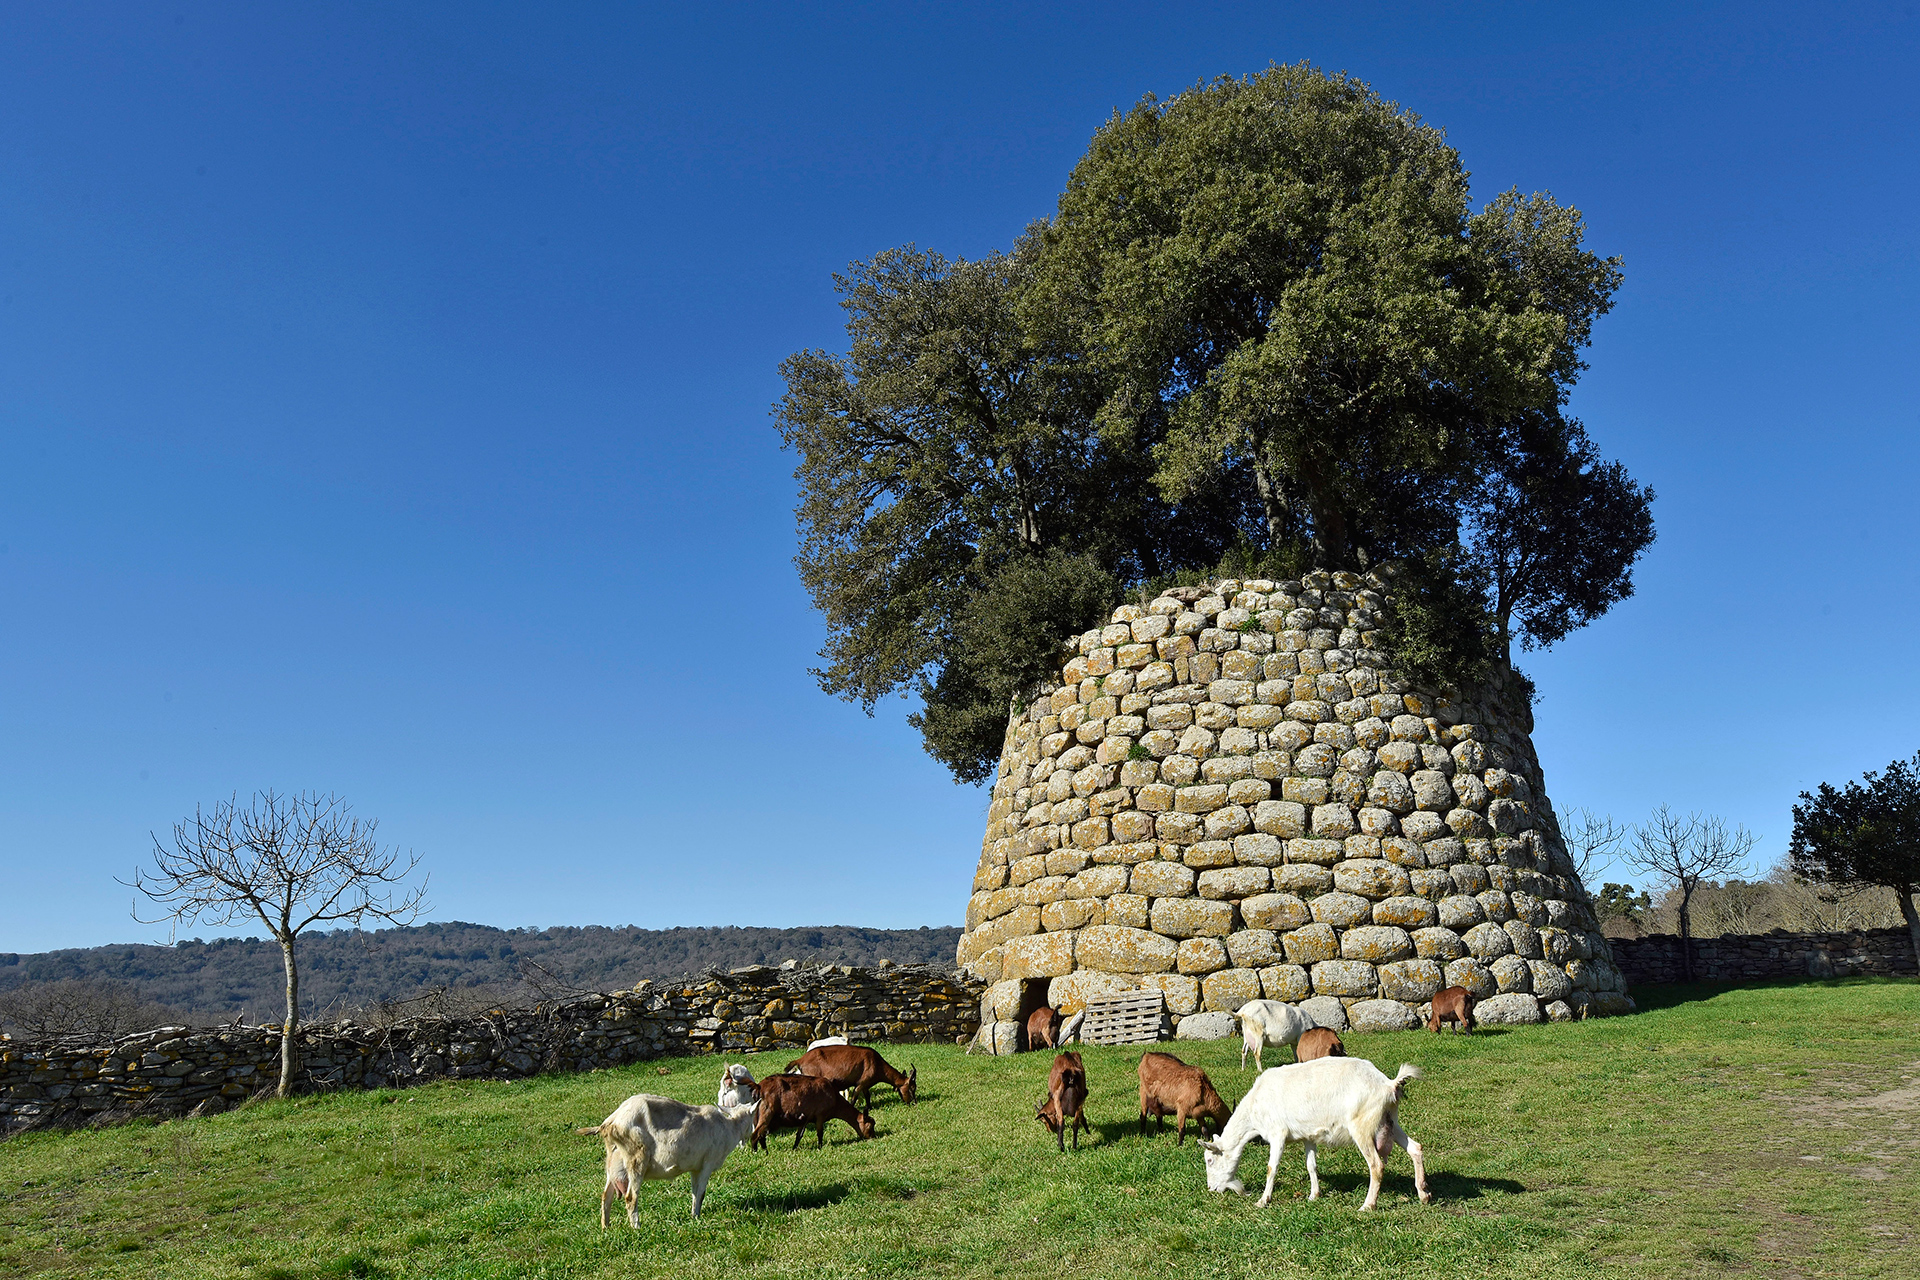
[{"x": 293, "y": 861}]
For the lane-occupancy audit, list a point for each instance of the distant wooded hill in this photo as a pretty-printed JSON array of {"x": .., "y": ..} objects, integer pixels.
[{"x": 346, "y": 970}]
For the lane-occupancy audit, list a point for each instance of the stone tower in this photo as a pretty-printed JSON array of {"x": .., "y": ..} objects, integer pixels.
[{"x": 1230, "y": 795}]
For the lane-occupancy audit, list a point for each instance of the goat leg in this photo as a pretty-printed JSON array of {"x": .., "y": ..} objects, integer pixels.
[
  {"x": 1313, "y": 1172},
  {"x": 1273, "y": 1168}
]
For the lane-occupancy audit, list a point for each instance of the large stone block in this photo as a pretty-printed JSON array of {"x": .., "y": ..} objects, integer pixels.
[
  {"x": 1280, "y": 911},
  {"x": 1549, "y": 980},
  {"x": 1438, "y": 944},
  {"x": 1512, "y": 974},
  {"x": 1303, "y": 881},
  {"x": 1311, "y": 944},
  {"x": 1206, "y": 1026},
  {"x": 1473, "y": 975},
  {"x": 1228, "y": 989},
  {"x": 1376, "y": 944},
  {"x": 1253, "y": 948},
  {"x": 1001, "y": 1003},
  {"x": 1341, "y": 910},
  {"x": 1258, "y": 851},
  {"x": 1162, "y": 880},
  {"x": 1233, "y": 882},
  {"x": 1038, "y": 955},
  {"x": 1283, "y": 819},
  {"x": 1070, "y": 914},
  {"x": 1382, "y": 1015},
  {"x": 1458, "y": 912},
  {"x": 1406, "y": 912},
  {"x": 1098, "y": 882},
  {"x": 1412, "y": 980},
  {"x": 1487, "y": 941},
  {"x": 1117, "y": 949},
  {"x": 1513, "y": 1009},
  {"x": 1128, "y": 910},
  {"x": 1287, "y": 982},
  {"x": 1200, "y": 955},
  {"x": 1016, "y": 923},
  {"x": 1371, "y": 878},
  {"x": 1326, "y": 1011},
  {"x": 1345, "y": 978},
  {"x": 1192, "y": 917}
]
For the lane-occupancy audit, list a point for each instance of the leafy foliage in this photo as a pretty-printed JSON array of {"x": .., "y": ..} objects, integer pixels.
[
  {"x": 1263, "y": 329},
  {"x": 1867, "y": 832}
]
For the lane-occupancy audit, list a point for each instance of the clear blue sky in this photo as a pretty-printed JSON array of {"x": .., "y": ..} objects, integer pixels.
[{"x": 383, "y": 408}]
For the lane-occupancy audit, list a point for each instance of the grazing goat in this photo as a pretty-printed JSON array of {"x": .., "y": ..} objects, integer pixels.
[
  {"x": 737, "y": 1087},
  {"x": 1070, "y": 1033},
  {"x": 651, "y": 1138},
  {"x": 1065, "y": 1105},
  {"x": 1321, "y": 1042},
  {"x": 1454, "y": 1005},
  {"x": 1043, "y": 1028},
  {"x": 856, "y": 1067},
  {"x": 1269, "y": 1022},
  {"x": 1170, "y": 1085},
  {"x": 799, "y": 1101},
  {"x": 1331, "y": 1101}
]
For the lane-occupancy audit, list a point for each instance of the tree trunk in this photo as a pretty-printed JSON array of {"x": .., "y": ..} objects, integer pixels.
[
  {"x": 1686, "y": 937},
  {"x": 1905, "y": 893},
  {"x": 1332, "y": 545},
  {"x": 289, "y": 1051},
  {"x": 1272, "y": 505}
]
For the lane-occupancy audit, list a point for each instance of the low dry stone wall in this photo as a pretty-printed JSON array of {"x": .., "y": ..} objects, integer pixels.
[
  {"x": 1760, "y": 957},
  {"x": 1229, "y": 793},
  {"x": 173, "y": 1069}
]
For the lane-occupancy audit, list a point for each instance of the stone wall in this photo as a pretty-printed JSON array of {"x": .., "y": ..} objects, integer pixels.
[
  {"x": 1230, "y": 794},
  {"x": 172, "y": 1069},
  {"x": 1760, "y": 957}
]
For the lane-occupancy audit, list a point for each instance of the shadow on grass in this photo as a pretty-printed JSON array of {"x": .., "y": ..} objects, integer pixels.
[
  {"x": 794, "y": 1201},
  {"x": 1672, "y": 995}
]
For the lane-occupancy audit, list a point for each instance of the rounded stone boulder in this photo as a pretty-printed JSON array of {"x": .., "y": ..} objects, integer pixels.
[
  {"x": 1211, "y": 1025},
  {"x": 1382, "y": 1015},
  {"x": 1412, "y": 980},
  {"x": 1376, "y": 944},
  {"x": 1326, "y": 1011},
  {"x": 1510, "y": 1010},
  {"x": 1192, "y": 917},
  {"x": 1228, "y": 989},
  {"x": 1345, "y": 978}
]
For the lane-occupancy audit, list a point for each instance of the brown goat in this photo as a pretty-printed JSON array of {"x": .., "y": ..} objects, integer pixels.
[
  {"x": 1170, "y": 1085},
  {"x": 1065, "y": 1105},
  {"x": 1454, "y": 1005},
  {"x": 856, "y": 1067},
  {"x": 1321, "y": 1042},
  {"x": 795, "y": 1102},
  {"x": 1043, "y": 1028}
]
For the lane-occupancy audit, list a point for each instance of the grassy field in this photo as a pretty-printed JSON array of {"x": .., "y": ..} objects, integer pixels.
[{"x": 1773, "y": 1130}]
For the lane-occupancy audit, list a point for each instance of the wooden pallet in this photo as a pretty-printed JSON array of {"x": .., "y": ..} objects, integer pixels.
[{"x": 1130, "y": 1017}]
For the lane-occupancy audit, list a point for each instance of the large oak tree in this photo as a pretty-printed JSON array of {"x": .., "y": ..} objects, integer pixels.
[{"x": 1265, "y": 322}]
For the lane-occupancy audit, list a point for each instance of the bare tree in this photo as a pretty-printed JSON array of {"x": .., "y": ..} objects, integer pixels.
[
  {"x": 1591, "y": 839},
  {"x": 80, "y": 1007},
  {"x": 290, "y": 861},
  {"x": 1684, "y": 852}
]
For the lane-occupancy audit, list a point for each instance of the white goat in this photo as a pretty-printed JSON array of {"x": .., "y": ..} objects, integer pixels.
[
  {"x": 1269, "y": 1022},
  {"x": 1327, "y": 1100},
  {"x": 650, "y": 1138},
  {"x": 737, "y": 1086}
]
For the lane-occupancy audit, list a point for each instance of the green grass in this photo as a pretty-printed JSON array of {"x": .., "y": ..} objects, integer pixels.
[{"x": 1771, "y": 1131}]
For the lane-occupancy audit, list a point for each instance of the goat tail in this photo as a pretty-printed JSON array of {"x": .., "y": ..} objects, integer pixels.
[
  {"x": 1407, "y": 1072},
  {"x": 590, "y": 1132}
]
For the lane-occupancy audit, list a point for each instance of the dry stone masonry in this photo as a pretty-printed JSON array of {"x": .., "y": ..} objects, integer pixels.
[
  {"x": 1230, "y": 794},
  {"x": 1737, "y": 958},
  {"x": 173, "y": 1069}
]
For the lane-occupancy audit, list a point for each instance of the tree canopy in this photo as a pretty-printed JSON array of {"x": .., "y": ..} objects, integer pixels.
[
  {"x": 1264, "y": 322},
  {"x": 1867, "y": 832}
]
